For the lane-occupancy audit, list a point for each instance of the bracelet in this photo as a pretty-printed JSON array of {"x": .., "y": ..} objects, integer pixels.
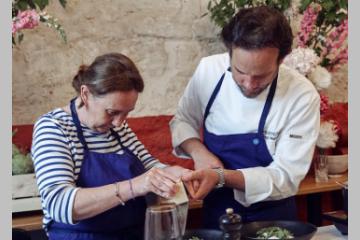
[
  {"x": 117, "y": 193},
  {"x": 131, "y": 189}
]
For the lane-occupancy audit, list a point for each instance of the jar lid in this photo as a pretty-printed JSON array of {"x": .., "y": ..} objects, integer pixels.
[{"x": 229, "y": 217}]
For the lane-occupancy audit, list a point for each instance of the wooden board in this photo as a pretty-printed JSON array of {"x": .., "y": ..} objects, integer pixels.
[{"x": 24, "y": 185}]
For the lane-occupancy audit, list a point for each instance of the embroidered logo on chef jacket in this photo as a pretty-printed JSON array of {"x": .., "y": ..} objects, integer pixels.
[
  {"x": 296, "y": 136},
  {"x": 271, "y": 135}
]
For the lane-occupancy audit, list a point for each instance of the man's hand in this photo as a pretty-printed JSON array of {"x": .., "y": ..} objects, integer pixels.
[{"x": 207, "y": 180}]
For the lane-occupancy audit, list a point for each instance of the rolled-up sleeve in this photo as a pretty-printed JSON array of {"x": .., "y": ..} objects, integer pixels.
[
  {"x": 292, "y": 158},
  {"x": 188, "y": 118}
]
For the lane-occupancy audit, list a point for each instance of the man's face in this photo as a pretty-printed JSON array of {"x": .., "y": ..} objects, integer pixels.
[{"x": 254, "y": 70}]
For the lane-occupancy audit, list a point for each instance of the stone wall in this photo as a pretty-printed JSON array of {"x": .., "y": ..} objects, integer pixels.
[{"x": 165, "y": 39}]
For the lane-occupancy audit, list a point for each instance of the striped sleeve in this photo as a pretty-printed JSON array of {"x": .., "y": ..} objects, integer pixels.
[
  {"x": 139, "y": 150},
  {"x": 54, "y": 169}
]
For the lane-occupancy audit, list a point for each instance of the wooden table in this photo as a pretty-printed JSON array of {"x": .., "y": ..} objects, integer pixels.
[{"x": 312, "y": 190}]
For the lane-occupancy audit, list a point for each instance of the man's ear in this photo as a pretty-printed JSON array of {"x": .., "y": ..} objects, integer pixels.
[{"x": 84, "y": 94}]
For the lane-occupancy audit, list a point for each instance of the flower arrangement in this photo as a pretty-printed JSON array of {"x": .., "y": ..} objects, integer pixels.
[
  {"x": 306, "y": 62},
  {"x": 28, "y": 14},
  {"x": 324, "y": 28}
]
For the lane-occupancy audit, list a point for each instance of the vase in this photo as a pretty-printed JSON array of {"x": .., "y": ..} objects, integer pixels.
[
  {"x": 337, "y": 164},
  {"x": 321, "y": 168}
]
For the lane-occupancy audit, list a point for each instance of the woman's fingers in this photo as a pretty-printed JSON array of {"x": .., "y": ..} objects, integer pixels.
[{"x": 162, "y": 183}]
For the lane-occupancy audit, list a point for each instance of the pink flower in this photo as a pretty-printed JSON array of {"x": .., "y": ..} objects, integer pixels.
[
  {"x": 308, "y": 24},
  {"x": 27, "y": 19}
]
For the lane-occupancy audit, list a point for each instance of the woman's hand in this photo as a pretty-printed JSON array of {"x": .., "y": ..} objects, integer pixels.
[
  {"x": 156, "y": 180},
  {"x": 191, "y": 186}
]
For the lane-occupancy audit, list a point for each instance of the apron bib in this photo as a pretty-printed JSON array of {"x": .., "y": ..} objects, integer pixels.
[
  {"x": 237, "y": 151},
  {"x": 98, "y": 169}
]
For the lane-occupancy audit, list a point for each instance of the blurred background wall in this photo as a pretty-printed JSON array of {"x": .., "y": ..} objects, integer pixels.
[{"x": 165, "y": 38}]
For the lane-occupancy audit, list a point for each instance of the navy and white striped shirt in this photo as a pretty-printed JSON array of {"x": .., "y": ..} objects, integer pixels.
[{"x": 57, "y": 155}]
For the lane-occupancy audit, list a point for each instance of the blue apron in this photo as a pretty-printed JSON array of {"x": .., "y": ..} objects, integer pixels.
[
  {"x": 98, "y": 169},
  {"x": 238, "y": 151}
]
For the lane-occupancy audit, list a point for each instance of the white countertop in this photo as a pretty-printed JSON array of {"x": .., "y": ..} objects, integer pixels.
[{"x": 328, "y": 233}]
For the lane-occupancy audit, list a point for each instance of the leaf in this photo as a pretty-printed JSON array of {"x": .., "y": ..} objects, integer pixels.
[
  {"x": 209, "y": 5},
  {"x": 22, "y": 5},
  {"x": 328, "y": 5},
  {"x": 63, "y": 3},
  {"x": 38, "y": 3},
  {"x": 304, "y": 5},
  {"x": 343, "y": 4},
  {"x": 331, "y": 17},
  {"x": 31, "y": 4}
]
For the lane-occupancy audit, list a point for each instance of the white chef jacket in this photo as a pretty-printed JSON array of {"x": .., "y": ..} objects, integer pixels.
[{"x": 291, "y": 128}]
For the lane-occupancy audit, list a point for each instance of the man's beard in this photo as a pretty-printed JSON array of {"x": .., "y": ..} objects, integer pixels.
[{"x": 252, "y": 94}]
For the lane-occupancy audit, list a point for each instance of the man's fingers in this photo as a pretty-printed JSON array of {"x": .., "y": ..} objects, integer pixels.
[
  {"x": 202, "y": 191},
  {"x": 196, "y": 185},
  {"x": 190, "y": 188},
  {"x": 190, "y": 176}
]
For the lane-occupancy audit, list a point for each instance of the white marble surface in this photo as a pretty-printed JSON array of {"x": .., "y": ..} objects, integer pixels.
[{"x": 328, "y": 233}]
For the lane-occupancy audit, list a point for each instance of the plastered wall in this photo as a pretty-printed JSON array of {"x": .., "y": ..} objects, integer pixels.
[{"x": 165, "y": 39}]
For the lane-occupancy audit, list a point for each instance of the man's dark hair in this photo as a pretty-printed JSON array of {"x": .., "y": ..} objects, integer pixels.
[{"x": 257, "y": 28}]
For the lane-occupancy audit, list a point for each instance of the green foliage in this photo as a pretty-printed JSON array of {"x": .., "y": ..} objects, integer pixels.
[
  {"x": 21, "y": 163},
  {"x": 221, "y": 11}
]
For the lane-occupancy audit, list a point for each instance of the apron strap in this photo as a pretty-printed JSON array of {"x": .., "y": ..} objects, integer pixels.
[
  {"x": 267, "y": 106},
  {"x": 117, "y": 137},
  {"x": 213, "y": 96},
  {"x": 77, "y": 124}
]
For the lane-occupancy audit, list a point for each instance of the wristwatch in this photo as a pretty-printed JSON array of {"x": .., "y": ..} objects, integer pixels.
[{"x": 220, "y": 172}]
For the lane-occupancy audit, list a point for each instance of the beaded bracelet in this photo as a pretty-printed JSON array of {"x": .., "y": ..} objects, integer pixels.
[{"x": 117, "y": 193}]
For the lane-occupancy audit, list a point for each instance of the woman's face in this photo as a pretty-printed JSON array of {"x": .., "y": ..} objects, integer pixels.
[{"x": 110, "y": 110}]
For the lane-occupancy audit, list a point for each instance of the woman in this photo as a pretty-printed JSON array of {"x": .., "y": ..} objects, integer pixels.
[{"x": 91, "y": 170}]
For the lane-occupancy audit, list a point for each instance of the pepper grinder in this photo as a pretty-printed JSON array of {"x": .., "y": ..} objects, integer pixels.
[{"x": 230, "y": 224}]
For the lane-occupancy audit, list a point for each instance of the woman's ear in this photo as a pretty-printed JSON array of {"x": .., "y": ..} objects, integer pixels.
[{"x": 84, "y": 95}]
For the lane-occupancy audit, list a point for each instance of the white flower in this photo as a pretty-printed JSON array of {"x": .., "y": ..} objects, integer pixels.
[
  {"x": 321, "y": 77},
  {"x": 327, "y": 135},
  {"x": 304, "y": 60}
]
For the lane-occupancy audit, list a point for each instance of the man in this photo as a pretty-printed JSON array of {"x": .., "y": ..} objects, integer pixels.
[{"x": 260, "y": 121}]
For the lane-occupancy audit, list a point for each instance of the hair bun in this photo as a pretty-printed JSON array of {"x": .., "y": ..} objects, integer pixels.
[
  {"x": 77, "y": 80},
  {"x": 82, "y": 69}
]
